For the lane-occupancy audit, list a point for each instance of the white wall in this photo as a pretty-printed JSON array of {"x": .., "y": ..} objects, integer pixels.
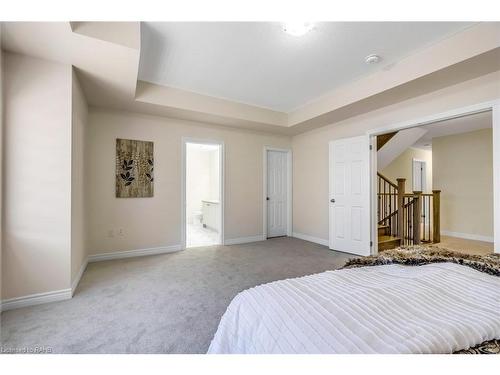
[
  {"x": 37, "y": 176},
  {"x": 156, "y": 222},
  {"x": 310, "y": 150},
  {"x": 78, "y": 168},
  {"x": 464, "y": 174}
]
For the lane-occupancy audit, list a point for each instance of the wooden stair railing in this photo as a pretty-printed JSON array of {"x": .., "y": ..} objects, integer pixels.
[
  {"x": 436, "y": 212},
  {"x": 413, "y": 217},
  {"x": 387, "y": 203}
]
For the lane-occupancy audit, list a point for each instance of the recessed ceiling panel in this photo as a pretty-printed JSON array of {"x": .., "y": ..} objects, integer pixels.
[{"x": 258, "y": 63}]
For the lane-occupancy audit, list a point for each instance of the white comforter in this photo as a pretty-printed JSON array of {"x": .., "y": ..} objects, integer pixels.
[{"x": 436, "y": 308}]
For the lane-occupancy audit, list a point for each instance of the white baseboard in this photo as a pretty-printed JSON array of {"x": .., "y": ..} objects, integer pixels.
[
  {"x": 306, "y": 237},
  {"x": 36, "y": 299},
  {"x": 134, "y": 253},
  {"x": 467, "y": 236},
  {"x": 240, "y": 240},
  {"x": 76, "y": 281},
  {"x": 64, "y": 294}
]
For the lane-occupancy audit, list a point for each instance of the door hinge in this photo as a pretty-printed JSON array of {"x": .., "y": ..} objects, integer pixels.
[
  {"x": 371, "y": 147},
  {"x": 371, "y": 243}
]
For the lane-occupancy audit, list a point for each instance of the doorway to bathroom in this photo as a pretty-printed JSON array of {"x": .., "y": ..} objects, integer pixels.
[{"x": 203, "y": 193}]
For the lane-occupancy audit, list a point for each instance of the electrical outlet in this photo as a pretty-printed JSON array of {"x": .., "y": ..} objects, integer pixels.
[{"x": 111, "y": 233}]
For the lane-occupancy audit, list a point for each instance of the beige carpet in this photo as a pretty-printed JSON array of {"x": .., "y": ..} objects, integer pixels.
[
  {"x": 466, "y": 246},
  {"x": 168, "y": 303}
]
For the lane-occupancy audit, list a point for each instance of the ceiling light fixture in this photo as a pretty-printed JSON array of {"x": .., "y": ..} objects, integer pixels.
[
  {"x": 297, "y": 28},
  {"x": 372, "y": 59}
]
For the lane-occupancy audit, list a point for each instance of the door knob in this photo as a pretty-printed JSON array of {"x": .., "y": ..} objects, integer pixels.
[
  {"x": 267, "y": 198},
  {"x": 332, "y": 200}
]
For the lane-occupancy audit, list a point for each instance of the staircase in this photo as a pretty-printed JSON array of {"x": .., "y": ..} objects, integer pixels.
[
  {"x": 391, "y": 145},
  {"x": 406, "y": 218},
  {"x": 385, "y": 240}
]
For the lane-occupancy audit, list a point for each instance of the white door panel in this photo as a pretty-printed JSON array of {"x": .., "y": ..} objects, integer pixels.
[
  {"x": 350, "y": 195},
  {"x": 419, "y": 171},
  {"x": 276, "y": 193}
]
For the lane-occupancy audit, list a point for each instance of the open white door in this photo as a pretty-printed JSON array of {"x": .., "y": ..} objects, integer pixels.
[{"x": 349, "y": 175}]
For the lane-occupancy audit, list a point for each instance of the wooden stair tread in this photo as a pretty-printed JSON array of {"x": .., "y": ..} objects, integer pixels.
[
  {"x": 383, "y": 239},
  {"x": 386, "y": 242},
  {"x": 383, "y": 230}
]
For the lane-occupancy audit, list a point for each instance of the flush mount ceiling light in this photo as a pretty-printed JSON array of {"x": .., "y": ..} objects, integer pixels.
[
  {"x": 372, "y": 59},
  {"x": 297, "y": 28}
]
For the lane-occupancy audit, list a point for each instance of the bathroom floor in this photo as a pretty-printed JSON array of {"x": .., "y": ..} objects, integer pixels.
[{"x": 196, "y": 235}]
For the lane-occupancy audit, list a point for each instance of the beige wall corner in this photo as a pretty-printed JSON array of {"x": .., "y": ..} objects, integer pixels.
[
  {"x": 79, "y": 115},
  {"x": 37, "y": 176},
  {"x": 463, "y": 171},
  {"x": 127, "y": 34},
  {"x": 107, "y": 69}
]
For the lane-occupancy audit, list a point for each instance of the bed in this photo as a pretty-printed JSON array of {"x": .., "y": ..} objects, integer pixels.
[{"x": 407, "y": 300}]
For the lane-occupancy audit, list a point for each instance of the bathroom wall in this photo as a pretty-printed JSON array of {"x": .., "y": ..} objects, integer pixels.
[
  {"x": 202, "y": 178},
  {"x": 214, "y": 190}
]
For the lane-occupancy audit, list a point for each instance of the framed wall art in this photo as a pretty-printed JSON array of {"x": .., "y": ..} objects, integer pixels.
[{"x": 134, "y": 169}]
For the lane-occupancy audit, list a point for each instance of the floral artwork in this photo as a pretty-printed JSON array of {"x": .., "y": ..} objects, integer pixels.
[{"x": 134, "y": 169}]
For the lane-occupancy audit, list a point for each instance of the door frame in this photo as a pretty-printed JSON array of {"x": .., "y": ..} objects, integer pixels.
[
  {"x": 289, "y": 215},
  {"x": 185, "y": 141},
  {"x": 493, "y": 106}
]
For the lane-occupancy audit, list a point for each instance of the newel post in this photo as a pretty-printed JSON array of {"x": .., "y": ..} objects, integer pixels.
[
  {"x": 436, "y": 216},
  {"x": 401, "y": 192},
  {"x": 417, "y": 217}
]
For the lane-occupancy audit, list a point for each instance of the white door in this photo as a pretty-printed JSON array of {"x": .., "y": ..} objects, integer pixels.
[
  {"x": 350, "y": 195},
  {"x": 276, "y": 193},
  {"x": 419, "y": 175}
]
